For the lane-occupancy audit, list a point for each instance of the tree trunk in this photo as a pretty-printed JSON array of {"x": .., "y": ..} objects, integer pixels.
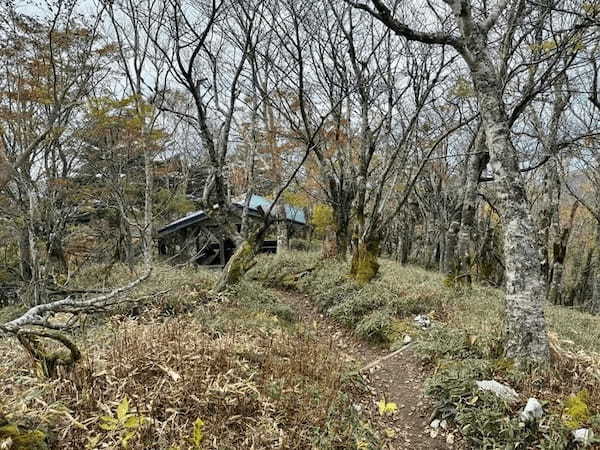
[
  {"x": 450, "y": 259},
  {"x": 37, "y": 294},
  {"x": 147, "y": 241},
  {"x": 364, "y": 264},
  {"x": 464, "y": 250},
  {"x": 25, "y": 254},
  {"x": 577, "y": 295},
  {"x": 525, "y": 324},
  {"x": 283, "y": 241},
  {"x": 406, "y": 241},
  {"x": 56, "y": 253},
  {"x": 594, "y": 304},
  {"x": 559, "y": 254},
  {"x": 342, "y": 225},
  {"x": 241, "y": 261},
  {"x": 124, "y": 247},
  {"x": 329, "y": 246}
]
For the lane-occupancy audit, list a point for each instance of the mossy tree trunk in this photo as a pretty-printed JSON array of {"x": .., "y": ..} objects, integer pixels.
[
  {"x": 364, "y": 266},
  {"x": 560, "y": 252},
  {"x": 241, "y": 261},
  {"x": 578, "y": 294},
  {"x": 342, "y": 224}
]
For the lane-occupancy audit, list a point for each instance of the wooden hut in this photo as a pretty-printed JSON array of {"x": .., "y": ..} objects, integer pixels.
[{"x": 199, "y": 238}]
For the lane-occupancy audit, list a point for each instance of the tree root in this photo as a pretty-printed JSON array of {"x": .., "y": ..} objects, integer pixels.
[{"x": 50, "y": 361}]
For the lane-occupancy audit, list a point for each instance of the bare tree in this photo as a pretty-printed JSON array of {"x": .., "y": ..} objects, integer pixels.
[{"x": 471, "y": 39}]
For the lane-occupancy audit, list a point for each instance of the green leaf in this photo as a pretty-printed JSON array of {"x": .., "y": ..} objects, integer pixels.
[
  {"x": 123, "y": 409},
  {"x": 125, "y": 438},
  {"x": 198, "y": 433},
  {"x": 92, "y": 442},
  {"x": 134, "y": 421},
  {"x": 108, "y": 423}
]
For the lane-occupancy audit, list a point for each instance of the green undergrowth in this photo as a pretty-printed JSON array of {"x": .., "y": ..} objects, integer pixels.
[
  {"x": 463, "y": 345},
  {"x": 194, "y": 369},
  {"x": 375, "y": 311}
]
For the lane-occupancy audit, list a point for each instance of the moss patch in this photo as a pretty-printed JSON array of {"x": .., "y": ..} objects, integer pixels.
[
  {"x": 576, "y": 413},
  {"x": 22, "y": 439},
  {"x": 364, "y": 262}
]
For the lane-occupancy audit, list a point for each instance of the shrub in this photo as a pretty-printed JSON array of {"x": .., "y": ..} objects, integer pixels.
[
  {"x": 445, "y": 342},
  {"x": 253, "y": 297},
  {"x": 376, "y": 326}
]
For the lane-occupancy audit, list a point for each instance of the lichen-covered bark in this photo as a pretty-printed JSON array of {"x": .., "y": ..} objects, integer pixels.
[
  {"x": 49, "y": 360},
  {"x": 450, "y": 259},
  {"x": 525, "y": 291},
  {"x": 237, "y": 266},
  {"x": 241, "y": 261},
  {"x": 364, "y": 264},
  {"x": 464, "y": 250},
  {"x": 525, "y": 325},
  {"x": 283, "y": 241},
  {"x": 554, "y": 293}
]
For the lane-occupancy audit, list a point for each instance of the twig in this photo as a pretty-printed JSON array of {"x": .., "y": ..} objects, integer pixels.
[
  {"x": 38, "y": 315},
  {"x": 386, "y": 357}
]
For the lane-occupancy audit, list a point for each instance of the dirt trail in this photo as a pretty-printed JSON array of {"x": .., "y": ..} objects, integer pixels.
[{"x": 398, "y": 379}]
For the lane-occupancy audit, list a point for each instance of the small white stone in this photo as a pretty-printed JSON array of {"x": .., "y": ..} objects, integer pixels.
[
  {"x": 435, "y": 424},
  {"x": 423, "y": 321},
  {"x": 407, "y": 339},
  {"x": 444, "y": 424},
  {"x": 533, "y": 410},
  {"x": 501, "y": 390},
  {"x": 583, "y": 436}
]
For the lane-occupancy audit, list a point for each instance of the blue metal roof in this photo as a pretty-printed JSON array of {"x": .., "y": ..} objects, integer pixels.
[{"x": 292, "y": 214}]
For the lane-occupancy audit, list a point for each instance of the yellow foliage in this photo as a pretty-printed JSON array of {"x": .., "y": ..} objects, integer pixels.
[
  {"x": 322, "y": 218},
  {"x": 576, "y": 411},
  {"x": 386, "y": 408},
  {"x": 198, "y": 434}
]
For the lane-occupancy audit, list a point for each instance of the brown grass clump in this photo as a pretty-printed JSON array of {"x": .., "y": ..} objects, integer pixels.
[{"x": 243, "y": 388}]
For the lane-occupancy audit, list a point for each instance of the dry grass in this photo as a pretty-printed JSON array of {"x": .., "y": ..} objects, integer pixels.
[
  {"x": 238, "y": 363},
  {"x": 468, "y": 332}
]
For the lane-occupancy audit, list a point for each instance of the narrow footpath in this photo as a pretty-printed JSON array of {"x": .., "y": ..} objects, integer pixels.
[{"x": 398, "y": 380}]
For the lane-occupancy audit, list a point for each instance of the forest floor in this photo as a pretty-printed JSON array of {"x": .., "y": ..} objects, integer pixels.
[
  {"x": 398, "y": 380},
  {"x": 275, "y": 362}
]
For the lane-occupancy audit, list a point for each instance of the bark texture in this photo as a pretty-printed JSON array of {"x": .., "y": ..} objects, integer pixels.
[
  {"x": 364, "y": 264},
  {"x": 525, "y": 294},
  {"x": 464, "y": 250}
]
